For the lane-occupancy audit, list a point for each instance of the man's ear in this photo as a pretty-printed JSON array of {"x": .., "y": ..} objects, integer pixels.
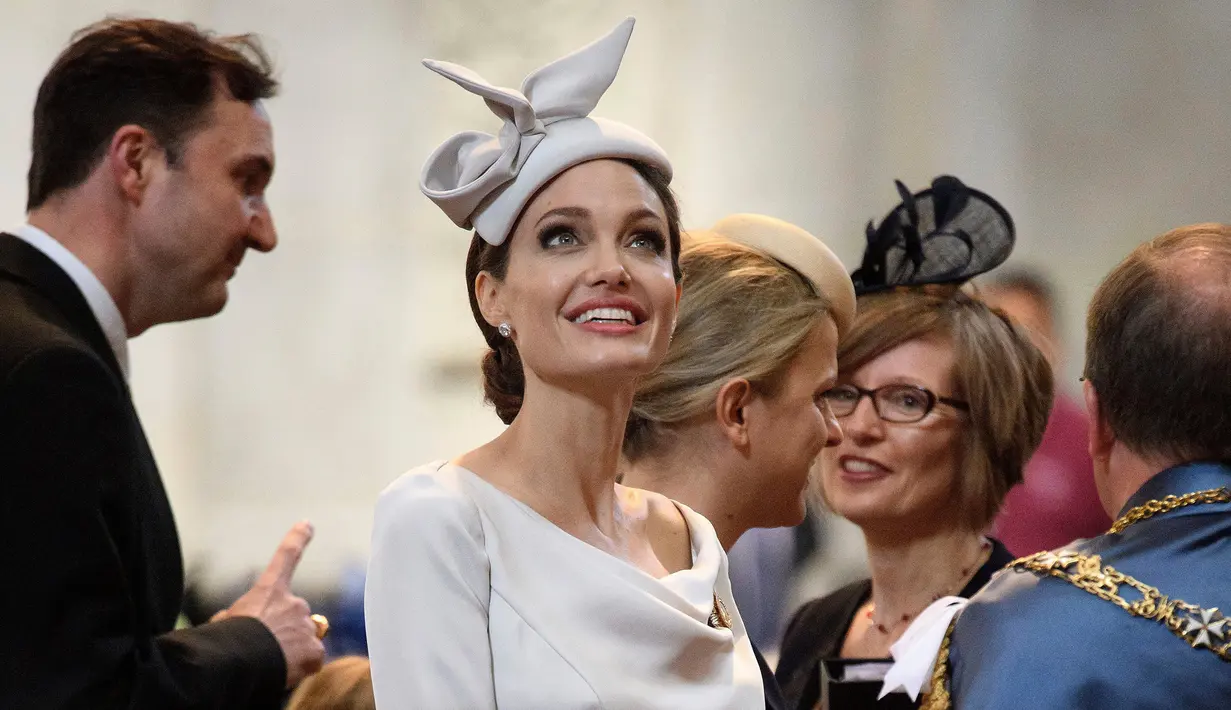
[
  {"x": 731, "y": 411},
  {"x": 131, "y": 157},
  {"x": 487, "y": 292},
  {"x": 1101, "y": 436}
]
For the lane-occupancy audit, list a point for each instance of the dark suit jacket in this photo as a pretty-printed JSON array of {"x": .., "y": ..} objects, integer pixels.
[{"x": 91, "y": 577}]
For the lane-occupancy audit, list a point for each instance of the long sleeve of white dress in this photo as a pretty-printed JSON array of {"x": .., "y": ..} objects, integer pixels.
[{"x": 427, "y": 599}]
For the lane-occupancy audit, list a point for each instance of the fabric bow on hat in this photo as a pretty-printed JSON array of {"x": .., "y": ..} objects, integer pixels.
[
  {"x": 946, "y": 234},
  {"x": 484, "y": 181}
]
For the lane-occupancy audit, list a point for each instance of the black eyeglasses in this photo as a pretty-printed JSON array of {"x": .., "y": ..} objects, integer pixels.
[{"x": 900, "y": 404}]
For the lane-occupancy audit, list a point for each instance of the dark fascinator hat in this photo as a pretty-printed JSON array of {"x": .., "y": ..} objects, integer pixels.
[{"x": 946, "y": 234}]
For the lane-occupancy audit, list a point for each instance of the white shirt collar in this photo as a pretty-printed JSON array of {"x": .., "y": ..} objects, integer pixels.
[{"x": 96, "y": 295}]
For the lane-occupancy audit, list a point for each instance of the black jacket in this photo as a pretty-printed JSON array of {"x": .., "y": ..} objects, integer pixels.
[
  {"x": 92, "y": 575},
  {"x": 773, "y": 696},
  {"x": 818, "y": 629}
]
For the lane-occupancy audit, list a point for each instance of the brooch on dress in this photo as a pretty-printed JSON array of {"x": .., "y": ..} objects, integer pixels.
[{"x": 719, "y": 618}]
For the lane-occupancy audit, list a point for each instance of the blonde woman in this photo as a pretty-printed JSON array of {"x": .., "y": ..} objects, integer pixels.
[
  {"x": 734, "y": 418},
  {"x": 520, "y": 574}
]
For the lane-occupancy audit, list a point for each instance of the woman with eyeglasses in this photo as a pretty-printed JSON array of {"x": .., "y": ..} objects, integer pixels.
[{"x": 941, "y": 401}]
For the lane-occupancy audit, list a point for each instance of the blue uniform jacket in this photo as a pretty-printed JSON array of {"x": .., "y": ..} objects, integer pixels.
[{"x": 1031, "y": 641}]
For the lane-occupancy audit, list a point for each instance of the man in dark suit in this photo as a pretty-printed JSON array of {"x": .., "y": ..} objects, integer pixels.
[{"x": 151, "y": 154}]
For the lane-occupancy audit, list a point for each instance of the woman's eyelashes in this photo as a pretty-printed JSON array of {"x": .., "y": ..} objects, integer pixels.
[
  {"x": 650, "y": 240},
  {"x": 558, "y": 236}
]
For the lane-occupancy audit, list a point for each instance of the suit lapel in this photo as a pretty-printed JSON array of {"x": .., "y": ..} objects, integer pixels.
[
  {"x": 22, "y": 262},
  {"x": 144, "y": 527}
]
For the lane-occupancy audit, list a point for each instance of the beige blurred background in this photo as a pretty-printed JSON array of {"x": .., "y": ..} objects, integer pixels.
[{"x": 349, "y": 355}]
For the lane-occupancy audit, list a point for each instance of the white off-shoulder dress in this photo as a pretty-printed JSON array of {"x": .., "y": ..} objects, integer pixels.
[{"x": 476, "y": 601}]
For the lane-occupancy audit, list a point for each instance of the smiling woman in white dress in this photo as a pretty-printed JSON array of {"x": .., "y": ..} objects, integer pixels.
[{"x": 520, "y": 574}]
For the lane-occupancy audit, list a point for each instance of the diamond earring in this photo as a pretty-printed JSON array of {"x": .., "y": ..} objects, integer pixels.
[{"x": 505, "y": 330}]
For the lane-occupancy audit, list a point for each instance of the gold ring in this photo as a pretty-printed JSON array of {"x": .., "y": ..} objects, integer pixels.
[{"x": 322, "y": 625}]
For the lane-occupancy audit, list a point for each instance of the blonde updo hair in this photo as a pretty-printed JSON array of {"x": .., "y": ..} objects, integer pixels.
[{"x": 742, "y": 314}]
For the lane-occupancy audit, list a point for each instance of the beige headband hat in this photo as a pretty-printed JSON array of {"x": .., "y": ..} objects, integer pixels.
[
  {"x": 483, "y": 181},
  {"x": 801, "y": 251}
]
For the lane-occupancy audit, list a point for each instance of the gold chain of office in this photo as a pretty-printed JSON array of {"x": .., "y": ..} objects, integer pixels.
[
  {"x": 1200, "y": 628},
  {"x": 1154, "y": 507}
]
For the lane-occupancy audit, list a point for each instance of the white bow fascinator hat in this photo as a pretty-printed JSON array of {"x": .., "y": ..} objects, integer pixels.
[{"x": 483, "y": 181}]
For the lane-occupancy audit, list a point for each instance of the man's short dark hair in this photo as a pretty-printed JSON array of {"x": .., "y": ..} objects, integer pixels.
[
  {"x": 160, "y": 75},
  {"x": 1159, "y": 342}
]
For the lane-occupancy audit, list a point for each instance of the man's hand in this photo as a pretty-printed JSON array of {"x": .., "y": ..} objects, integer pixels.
[{"x": 286, "y": 615}]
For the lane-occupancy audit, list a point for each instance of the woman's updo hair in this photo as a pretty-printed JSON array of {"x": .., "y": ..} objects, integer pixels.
[
  {"x": 504, "y": 381},
  {"x": 743, "y": 314}
]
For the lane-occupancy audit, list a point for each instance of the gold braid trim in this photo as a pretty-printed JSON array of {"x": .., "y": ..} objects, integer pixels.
[
  {"x": 1200, "y": 628},
  {"x": 937, "y": 695},
  {"x": 1206, "y": 628}
]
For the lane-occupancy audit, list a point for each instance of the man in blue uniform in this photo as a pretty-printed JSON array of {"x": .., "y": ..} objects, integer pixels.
[{"x": 1139, "y": 617}]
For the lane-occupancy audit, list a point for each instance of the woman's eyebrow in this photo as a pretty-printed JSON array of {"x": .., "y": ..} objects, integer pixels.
[
  {"x": 639, "y": 214},
  {"x": 577, "y": 212}
]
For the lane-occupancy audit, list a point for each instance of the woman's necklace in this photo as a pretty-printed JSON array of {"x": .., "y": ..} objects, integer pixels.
[{"x": 963, "y": 577}]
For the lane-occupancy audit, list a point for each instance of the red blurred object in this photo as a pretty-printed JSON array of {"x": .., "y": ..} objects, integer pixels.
[{"x": 1058, "y": 501}]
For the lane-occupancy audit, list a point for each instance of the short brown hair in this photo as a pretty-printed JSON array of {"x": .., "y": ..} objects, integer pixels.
[
  {"x": 160, "y": 75},
  {"x": 1159, "y": 342},
  {"x": 999, "y": 372},
  {"x": 504, "y": 381},
  {"x": 343, "y": 684},
  {"x": 743, "y": 314}
]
